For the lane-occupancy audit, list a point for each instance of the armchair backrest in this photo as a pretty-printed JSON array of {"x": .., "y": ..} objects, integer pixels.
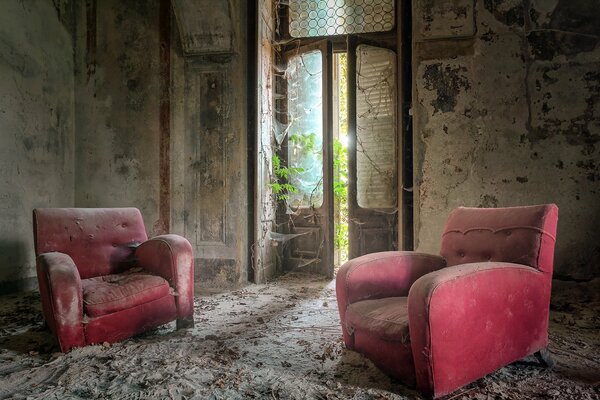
[
  {"x": 96, "y": 239},
  {"x": 521, "y": 235}
]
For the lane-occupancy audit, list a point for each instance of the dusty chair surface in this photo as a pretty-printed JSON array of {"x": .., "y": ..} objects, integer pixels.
[
  {"x": 441, "y": 322},
  {"x": 102, "y": 280}
]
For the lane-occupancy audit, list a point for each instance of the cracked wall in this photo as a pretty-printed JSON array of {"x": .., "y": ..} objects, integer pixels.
[
  {"x": 117, "y": 106},
  {"x": 36, "y": 127},
  {"x": 506, "y": 113}
]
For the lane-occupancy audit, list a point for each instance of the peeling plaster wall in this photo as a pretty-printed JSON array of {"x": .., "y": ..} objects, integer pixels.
[
  {"x": 117, "y": 106},
  {"x": 36, "y": 127},
  {"x": 188, "y": 170},
  {"x": 92, "y": 114},
  {"x": 507, "y": 112},
  {"x": 263, "y": 250}
]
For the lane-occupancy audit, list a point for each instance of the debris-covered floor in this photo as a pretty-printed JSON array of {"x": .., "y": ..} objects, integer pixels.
[{"x": 275, "y": 341}]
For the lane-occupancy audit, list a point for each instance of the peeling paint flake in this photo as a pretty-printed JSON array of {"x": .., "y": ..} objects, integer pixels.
[
  {"x": 448, "y": 82},
  {"x": 509, "y": 12}
]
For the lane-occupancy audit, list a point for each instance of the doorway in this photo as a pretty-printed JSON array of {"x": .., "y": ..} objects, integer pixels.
[
  {"x": 340, "y": 159},
  {"x": 336, "y": 169},
  {"x": 335, "y": 166}
]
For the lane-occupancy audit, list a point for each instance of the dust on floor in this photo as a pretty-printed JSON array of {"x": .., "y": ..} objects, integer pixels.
[{"x": 276, "y": 341}]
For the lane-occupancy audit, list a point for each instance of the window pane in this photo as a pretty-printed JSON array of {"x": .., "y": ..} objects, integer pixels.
[
  {"x": 376, "y": 166},
  {"x": 309, "y": 18},
  {"x": 305, "y": 142}
]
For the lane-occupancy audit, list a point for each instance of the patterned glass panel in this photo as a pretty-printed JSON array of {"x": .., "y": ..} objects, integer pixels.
[
  {"x": 310, "y": 18},
  {"x": 376, "y": 166}
]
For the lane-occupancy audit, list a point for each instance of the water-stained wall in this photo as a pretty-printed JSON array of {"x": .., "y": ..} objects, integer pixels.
[
  {"x": 36, "y": 126},
  {"x": 117, "y": 106},
  {"x": 507, "y": 112},
  {"x": 161, "y": 121},
  {"x": 101, "y": 105}
]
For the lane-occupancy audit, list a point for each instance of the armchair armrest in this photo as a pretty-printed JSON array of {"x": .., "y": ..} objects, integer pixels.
[
  {"x": 378, "y": 275},
  {"x": 170, "y": 256},
  {"x": 471, "y": 319},
  {"x": 62, "y": 299}
]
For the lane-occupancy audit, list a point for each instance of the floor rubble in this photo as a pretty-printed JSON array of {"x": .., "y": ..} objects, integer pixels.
[{"x": 275, "y": 341}]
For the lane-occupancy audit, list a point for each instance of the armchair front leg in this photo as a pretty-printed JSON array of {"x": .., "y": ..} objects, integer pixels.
[
  {"x": 170, "y": 256},
  {"x": 62, "y": 299},
  {"x": 544, "y": 358}
]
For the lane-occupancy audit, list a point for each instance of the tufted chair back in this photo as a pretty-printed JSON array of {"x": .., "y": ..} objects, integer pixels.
[
  {"x": 520, "y": 235},
  {"x": 100, "y": 241}
]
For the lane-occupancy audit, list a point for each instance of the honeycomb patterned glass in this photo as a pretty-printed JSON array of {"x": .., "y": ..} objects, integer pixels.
[{"x": 310, "y": 18}]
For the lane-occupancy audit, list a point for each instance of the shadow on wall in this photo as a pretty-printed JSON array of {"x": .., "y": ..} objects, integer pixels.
[{"x": 13, "y": 267}]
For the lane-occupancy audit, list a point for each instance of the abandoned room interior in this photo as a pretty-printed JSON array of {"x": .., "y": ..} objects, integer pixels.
[{"x": 299, "y": 199}]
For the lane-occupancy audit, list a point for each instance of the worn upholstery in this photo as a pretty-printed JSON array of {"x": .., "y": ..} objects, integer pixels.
[
  {"x": 93, "y": 286},
  {"x": 111, "y": 293},
  {"x": 482, "y": 305},
  {"x": 99, "y": 240},
  {"x": 385, "y": 318},
  {"x": 170, "y": 256},
  {"x": 379, "y": 275},
  {"x": 520, "y": 235}
]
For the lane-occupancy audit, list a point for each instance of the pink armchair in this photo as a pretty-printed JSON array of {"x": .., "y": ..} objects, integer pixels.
[
  {"x": 102, "y": 280},
  {"x": 444, "y": 321}
]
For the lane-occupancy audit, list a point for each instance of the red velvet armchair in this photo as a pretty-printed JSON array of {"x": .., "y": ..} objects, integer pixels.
[
  {"x": 102, "y": 280},
  {"x": 441, "y": 322}
]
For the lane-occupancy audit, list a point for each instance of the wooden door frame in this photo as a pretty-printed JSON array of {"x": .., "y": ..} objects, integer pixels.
[{"x": 325, "y": 212}]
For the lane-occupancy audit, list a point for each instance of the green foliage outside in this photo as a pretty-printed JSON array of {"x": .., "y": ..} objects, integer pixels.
[
  {"x": 279, "y": 183},
  {"x": 340, "y": 193},
  {"x": 340, "y": 163},
  {"x": 307, "y": 145},
  {"x": 305, "y": 151},
  {"x": 282, "y": 188},
  {"x": 307, "y": 142}
]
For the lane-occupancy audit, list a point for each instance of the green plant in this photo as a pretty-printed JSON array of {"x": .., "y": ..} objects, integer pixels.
[
  {"x": 305, "y": 150},
  {"x": 307, "y": 142},
  {"x": 279, "y": 183},
  {"x": 340, "y": 193},
  {"x": 340, "y": 170},
  {"x": 340, "y": 164}
]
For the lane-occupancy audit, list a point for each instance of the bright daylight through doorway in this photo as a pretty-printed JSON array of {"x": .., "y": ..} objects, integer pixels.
[{"x": 340, "y": 157}]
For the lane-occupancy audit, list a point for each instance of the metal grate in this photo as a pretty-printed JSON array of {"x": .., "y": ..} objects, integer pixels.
[{"x": 310, "y": 18}]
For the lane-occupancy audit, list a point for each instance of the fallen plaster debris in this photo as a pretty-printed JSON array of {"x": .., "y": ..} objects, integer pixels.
[{"x": 276, "y": 341}]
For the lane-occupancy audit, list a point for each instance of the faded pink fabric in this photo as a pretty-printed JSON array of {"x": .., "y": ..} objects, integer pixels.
[
  {"x": 82, "y": 259},
  {"x": 520, "y": 235},
  {"x": 96, "y": 239},
  {"x": 170, "y": 256},
  {"x": 488, "y": 308},
  {"x": 111, "y": 293},
  {"x": 385, "y": 318}
]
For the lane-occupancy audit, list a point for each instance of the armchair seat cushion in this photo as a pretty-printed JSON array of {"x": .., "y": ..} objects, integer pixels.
[
  {"x": 385, "y": 318},
  {"x": 112, "y": 293}
]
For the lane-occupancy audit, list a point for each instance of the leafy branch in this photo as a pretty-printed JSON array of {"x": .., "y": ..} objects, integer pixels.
[
  {"x": 279, "y": 184},
  {"x": 340, "y": 193}
]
